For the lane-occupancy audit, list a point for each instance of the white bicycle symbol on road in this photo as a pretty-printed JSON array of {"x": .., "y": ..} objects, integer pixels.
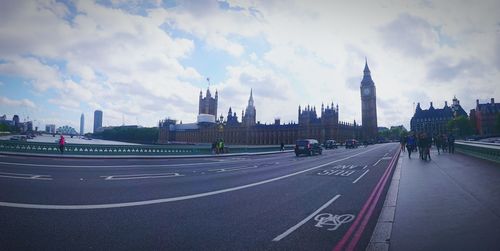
[{"x": 327, "y": 219}]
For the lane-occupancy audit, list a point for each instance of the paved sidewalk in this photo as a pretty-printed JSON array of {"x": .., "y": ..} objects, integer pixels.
[{"x": 449, "y": 203}]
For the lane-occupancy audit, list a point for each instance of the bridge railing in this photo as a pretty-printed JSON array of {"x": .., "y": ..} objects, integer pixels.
[
  {"x": 489, "y": 151},
  {"x": 159, "y": 150}
]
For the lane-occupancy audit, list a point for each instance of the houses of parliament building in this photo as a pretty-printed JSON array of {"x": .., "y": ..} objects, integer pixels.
[{"x": 321, "y": 124}]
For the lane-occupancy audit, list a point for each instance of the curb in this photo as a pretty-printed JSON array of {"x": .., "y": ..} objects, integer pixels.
[
  {"x": 137, "y": 156},
  {"x": 381, "y": 237},
  {"x": 351, "y": 238}
]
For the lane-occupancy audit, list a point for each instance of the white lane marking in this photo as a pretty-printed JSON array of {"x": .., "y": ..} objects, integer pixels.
[
  {"x": 141, "y": 176},
  {"x": 383, "y": 158},
  {"x": 361, "y": 176},
  {"x": 222, "y": 170},
  {"x": 25, "y": 176},
  {"x": 172, "y": 199},
  {"x": 386, "y": 154},
  {"x": 302, "y": 222}
]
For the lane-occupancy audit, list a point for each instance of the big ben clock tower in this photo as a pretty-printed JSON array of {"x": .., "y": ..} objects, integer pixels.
[{"x": 368, "y": 105}]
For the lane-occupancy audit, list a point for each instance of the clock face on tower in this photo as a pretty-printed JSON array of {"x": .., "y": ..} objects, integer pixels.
[{"x": 366, "y": 91}]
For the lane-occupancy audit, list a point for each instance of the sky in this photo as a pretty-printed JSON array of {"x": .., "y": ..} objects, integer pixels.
[{"x": 143, "y": 61}]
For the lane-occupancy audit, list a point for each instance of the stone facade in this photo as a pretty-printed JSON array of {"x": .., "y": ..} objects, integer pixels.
[
  {"x": 435, "y": 121},
  {"x": 322, "y": 124},
  {"x": 484, "y": 117}
]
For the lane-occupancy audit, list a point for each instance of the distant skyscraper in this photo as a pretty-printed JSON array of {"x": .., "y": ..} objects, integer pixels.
[
  {"x": 50, "y": 128},
  {"x": 97, "y": 120},
  {"x": 82, "y": 124}
]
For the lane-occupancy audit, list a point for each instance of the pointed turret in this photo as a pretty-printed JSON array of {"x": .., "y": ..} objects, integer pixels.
[
  {"x": 418, "y": 107},
  {"x": 250, "y": 100},
  {"x": 367, "y": 78},
  {"x": 208, "y": 93},
  {"x": 366, "y": 70}
]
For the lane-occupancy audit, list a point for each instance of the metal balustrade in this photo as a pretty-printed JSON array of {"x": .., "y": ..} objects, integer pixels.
[
  {"x": 481, "y": 150},
  {"x": 158, "y": 150}
]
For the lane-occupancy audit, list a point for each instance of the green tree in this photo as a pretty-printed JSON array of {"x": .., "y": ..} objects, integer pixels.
[
  {"x": 460, "y": 126},
  {"x": 8, "y": 128}
]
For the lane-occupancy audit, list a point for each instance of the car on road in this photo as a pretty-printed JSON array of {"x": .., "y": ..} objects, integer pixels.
[
  {"x": 18, "y": 138},
  {"x": 330, "y": 144},
  {"x": 351, "y": 143},
  {"x": 308, "y": 147}
]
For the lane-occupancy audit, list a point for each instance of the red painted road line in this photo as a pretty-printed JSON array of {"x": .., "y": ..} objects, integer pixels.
[
  {"x": 364, "y": 223},
  {"x": 340, "y": 245},
  {"x": 351, "y": 229}
]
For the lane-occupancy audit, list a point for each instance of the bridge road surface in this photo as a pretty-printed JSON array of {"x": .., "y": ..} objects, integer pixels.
[{"x": 266, "y": 202}]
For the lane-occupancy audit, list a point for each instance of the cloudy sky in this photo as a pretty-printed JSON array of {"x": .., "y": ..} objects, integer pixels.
[{"x": 142, "y": 61}]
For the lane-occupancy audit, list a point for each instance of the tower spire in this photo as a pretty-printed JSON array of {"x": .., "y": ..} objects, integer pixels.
[
  {"x": 366, "y": 70},
  {"x": 250, "y": 100}
]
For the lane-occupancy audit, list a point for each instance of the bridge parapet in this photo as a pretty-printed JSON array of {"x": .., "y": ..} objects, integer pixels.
[
  {"x": 483, "y": 150},
  {"x": 123, "y": 150}
]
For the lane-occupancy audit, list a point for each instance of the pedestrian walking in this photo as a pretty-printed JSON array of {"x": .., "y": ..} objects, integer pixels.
[
  {"x": 62, "y": 141},
  {"x": 420, "y": 144},
  {"x": 221, "y": 146},
  {"x": 427, "y": 147},
  {"x": 403, "y": 142},
  {"x": 451, "y": 143},
  {"x": 282, "y": 146},
  {"x": 444, "y": 143},
  {"x": 410, "y": 144},
  {"x": 438, "y": 142}
]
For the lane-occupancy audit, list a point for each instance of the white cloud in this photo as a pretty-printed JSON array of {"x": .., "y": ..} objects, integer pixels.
[
  {"x": 17, "y": 102},
  {"x": 120, "y": 59},
  {"x": 43, "y": 77}
]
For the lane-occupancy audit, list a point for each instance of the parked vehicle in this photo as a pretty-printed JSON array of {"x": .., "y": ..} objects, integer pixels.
[
  {"x": 308, "y": 147},
  {"x": 351, "y": 143},
  {"x": 330, "y": 144}
]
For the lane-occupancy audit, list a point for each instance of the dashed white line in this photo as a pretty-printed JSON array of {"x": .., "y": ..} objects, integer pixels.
[
  {"x": 302, "y": 222},
  {"x": 383, "y": 158},
  {"x": 25, "y": 176},
  {"x": 377, "y": 162},
  {"x": 141, "y": 176},
  {"x": 222, "y": 170},
  {"x": 361, "y": 176}
]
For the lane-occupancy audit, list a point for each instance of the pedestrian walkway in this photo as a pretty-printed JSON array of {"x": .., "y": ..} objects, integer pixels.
[{"x": 449, "y": 203}]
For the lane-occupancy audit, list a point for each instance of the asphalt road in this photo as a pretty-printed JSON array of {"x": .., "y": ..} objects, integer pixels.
[{"x": 268, "y": 202}]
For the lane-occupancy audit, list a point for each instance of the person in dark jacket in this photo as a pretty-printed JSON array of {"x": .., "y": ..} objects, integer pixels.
[
  {"x": 438, "y": 141},
  {"x": 451, "y": 143},
  {"x": 410, "y": 145}
]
